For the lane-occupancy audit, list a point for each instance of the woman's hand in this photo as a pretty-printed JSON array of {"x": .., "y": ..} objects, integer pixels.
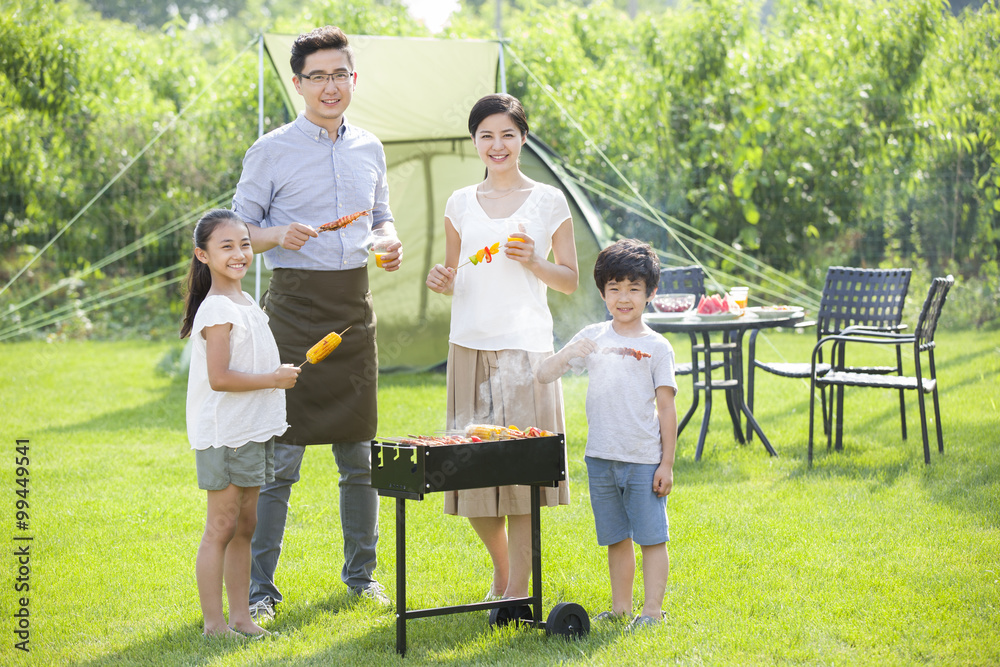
[
  {"x": 520, "y": 247},
  {"x": 441, "y": 279}
]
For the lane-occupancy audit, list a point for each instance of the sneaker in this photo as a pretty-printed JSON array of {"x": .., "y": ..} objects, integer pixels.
[
  {"x": 262, "y": 611},
  {"x": 646, "y": 622},
  {"x": 491, "y": 596},
  {"x": 374, "y": 592},
  {"x": 610, "y": 617}
]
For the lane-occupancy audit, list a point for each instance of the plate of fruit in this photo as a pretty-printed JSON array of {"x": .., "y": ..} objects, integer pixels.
[{"x": 717, "y": 308}]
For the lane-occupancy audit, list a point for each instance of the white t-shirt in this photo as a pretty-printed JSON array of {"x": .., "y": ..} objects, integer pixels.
[
  {"x": 622, "y": 424},
  {"x": 501, "y": 305},
  {"x": 233, "y": 418}
]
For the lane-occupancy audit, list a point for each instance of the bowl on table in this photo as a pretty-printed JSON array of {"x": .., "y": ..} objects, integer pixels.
[{"x": 673, "y": 303}]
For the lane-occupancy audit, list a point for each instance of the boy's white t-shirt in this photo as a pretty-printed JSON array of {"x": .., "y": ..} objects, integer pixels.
[
  {"x": 500, "y": 305},
  {"x": 233, "y": 418},
  {"x": 621, "y": 393}
]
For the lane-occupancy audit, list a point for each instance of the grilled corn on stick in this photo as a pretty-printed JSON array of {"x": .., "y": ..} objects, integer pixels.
[{"x": 322, "y": 349}]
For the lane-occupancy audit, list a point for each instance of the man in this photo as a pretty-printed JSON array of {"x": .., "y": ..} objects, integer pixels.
[{"x": 314, "y": 170}]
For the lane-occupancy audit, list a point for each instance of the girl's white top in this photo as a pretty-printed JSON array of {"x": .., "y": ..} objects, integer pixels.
[
  {"x": 233, "y": 418},
  {"x": 501, "y": 305}
]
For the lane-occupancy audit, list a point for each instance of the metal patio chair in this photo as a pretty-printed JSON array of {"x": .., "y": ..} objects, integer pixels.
[
  {"x": 852, "y": 297},
  {"x": 922, "y": 340}
]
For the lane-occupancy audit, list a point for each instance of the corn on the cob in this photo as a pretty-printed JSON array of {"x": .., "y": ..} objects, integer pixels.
[{"x": 320, "y": 350}]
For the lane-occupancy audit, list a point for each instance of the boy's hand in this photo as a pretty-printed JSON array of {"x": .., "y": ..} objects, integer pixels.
[
  {"x": 663, "y": 480},
  {"x": 580, "y": 348}
]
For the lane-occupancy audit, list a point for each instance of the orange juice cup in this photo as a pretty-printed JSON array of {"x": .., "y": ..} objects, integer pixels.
[
  {"x": 379, "y": 258},
  {"x": 740, "y": 295}
]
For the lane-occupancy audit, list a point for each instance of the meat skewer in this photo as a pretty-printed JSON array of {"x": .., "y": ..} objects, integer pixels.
[
  {"x": 626, "y": 352},
  {"x": 342, "y": 222}
]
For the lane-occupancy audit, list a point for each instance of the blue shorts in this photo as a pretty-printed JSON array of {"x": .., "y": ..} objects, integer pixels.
[{"x": 624, "y": 504}]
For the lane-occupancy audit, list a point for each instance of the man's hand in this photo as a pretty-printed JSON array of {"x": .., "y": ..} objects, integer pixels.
[
  {"x": 393, "y": 257},
  {"x": 294, "y": 236}
]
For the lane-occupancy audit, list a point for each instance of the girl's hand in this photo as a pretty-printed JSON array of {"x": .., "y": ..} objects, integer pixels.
[
  {"x": 520, "y": 247},
  {"x": 441, "y": 279},
  {"x": 286, "y": 375}
]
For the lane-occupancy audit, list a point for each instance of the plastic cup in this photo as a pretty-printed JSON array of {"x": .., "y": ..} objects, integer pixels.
[
  {"x": 740, "y": 295},
  {"x": 381, "y": 239}
]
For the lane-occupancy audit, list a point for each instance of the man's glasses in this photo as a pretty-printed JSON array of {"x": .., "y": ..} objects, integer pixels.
[{"x": 338, "y": 78}]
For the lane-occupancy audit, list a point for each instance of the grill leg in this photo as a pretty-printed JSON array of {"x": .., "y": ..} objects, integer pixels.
[
  {"x": 401, "y": 576},
  {"x": 536, "y": 554}
]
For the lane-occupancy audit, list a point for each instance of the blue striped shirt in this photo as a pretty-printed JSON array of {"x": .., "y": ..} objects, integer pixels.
[{"x": 297, "y": 173}]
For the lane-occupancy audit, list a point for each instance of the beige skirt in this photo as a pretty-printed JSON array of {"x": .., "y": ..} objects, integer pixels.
[{"x": 499, "y": 387}]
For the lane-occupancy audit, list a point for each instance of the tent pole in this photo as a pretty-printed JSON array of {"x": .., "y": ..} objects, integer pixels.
[
  {"x": 260, "y": 131},
  {"x": 503, "y": 70}
]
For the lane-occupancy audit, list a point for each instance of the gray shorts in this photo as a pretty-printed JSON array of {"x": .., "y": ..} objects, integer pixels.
[{"x": 249, "y": 465}]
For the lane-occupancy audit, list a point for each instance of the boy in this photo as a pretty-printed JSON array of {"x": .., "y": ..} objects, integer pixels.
[{"x": 630, "y": 444}]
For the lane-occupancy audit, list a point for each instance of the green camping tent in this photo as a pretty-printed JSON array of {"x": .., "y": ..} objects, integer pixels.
[{"x": 415, "y": 94}]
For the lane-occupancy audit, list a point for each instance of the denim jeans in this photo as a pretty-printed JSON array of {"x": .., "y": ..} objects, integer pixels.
[{"x": 358, "y": 517}]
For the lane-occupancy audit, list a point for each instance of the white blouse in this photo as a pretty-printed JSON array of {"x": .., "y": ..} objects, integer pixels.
[
  {"x": 501, "y": 305},
  {"x": 233, "y": 418}
]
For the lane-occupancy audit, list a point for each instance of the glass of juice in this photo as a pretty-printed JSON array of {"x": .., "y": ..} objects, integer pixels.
[
  {"x": 740, "y": 296},
  {"x": 383, "y": 238}
]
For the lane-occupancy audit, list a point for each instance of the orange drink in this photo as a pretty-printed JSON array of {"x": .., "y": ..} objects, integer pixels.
[{"x": 740, "y": 295}]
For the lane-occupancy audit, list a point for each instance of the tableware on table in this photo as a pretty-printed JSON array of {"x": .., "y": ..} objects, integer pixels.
[
  {"x": 382, "y": 238},
  {"x": 715, "y": 317},
  {"x": 740, "y": 296},
  {"x": 774, "y": 312},
  {"x": 665, "y": 317},
  {"x": 673, "y": 303}
]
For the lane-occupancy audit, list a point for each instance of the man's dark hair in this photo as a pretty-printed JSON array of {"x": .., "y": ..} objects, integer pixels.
[
  {"x": 627, "y": 259},
  {"x": 327, "y": 37}
]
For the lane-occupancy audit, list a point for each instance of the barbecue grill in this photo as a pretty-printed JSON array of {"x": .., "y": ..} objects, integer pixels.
[{"x": 409, "y": 472}]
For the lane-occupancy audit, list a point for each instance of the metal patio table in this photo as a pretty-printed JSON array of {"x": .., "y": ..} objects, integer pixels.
[{"x": 731, "y": 349}]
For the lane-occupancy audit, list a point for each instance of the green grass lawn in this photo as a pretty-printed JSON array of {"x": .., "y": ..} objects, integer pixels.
[{"x": 869, "y": 557}]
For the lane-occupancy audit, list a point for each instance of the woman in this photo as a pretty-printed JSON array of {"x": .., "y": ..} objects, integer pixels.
[{"x": 501, "y": 327}]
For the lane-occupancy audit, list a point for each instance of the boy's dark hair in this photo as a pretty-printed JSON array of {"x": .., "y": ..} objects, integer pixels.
[
  {"x": 327, "y": 37},
  {"x": 627, "y": 259}
]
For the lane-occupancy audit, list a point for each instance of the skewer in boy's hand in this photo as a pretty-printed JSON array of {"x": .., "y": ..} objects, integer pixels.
[{"x": 441, "y": 279}]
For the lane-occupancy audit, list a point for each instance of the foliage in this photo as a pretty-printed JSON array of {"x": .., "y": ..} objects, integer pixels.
[
  {"x": 829, "y": 134},
  {"x": 803, "y": 133}
]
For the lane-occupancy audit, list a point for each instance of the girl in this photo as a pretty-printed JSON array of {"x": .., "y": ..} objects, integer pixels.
[
  {"x": 232, "y": 413},
  {"x": 501, "y": 327}
]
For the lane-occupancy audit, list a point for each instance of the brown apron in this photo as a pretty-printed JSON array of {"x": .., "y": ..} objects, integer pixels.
[{"x": 334, "y": 400}]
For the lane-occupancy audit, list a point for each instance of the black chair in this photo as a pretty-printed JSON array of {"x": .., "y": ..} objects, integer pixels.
[
  {"x": 871, "y": 298},
  {"x": 691, "y": 280},
  {"x": 922, "y": 341}
]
